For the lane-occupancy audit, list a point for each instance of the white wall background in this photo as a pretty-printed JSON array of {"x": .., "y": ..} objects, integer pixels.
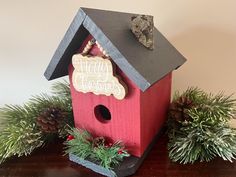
[{"x": 204, "y": 31}]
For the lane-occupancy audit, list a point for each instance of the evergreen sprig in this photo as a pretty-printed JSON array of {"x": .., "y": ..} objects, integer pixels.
[
  {"x": 85, "y": 146},
  {"x": 207, "y": 133},
  {"x": 19, "y": 133}
]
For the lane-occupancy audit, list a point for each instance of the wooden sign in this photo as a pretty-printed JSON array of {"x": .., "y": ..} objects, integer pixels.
[{"x": 95, "y": 74}]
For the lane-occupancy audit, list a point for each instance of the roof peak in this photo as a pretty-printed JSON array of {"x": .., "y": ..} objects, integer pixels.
[{"x": 112, "y": 30}]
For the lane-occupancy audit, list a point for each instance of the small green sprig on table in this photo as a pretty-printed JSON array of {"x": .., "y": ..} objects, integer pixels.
[{"x": 82, "y": 144}]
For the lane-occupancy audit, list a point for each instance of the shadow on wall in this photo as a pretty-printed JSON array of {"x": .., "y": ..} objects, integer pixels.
[{"x": 211, "y": 59}]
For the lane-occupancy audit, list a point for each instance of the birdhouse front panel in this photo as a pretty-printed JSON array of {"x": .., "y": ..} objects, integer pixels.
[{"x": 116, "y": 116}]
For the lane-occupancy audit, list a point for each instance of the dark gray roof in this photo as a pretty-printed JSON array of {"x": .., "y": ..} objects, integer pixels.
[{"x": 112, "y": 30}]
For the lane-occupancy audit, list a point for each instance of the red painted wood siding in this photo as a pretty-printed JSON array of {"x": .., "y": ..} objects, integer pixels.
[
  {"x": 154, "y": 106},
  {"x": 125, "y": 115}
]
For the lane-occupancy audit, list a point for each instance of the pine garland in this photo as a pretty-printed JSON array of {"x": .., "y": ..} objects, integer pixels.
[
  {"x": 207, "y": 133},
  {"x": 19, "y": 133},
  {"x": 82, "y": 144}
]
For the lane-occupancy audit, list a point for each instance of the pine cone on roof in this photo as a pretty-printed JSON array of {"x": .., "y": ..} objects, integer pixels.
[
  {"x": 179, "y": 109},
  {"x": 51, "y": 119}
]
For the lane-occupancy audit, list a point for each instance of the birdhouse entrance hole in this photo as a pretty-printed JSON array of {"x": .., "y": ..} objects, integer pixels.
[{"x": 102, "y": 113}]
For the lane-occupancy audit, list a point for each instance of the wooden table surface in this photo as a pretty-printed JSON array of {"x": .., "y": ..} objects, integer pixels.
[{"x": 49, "y": 162}]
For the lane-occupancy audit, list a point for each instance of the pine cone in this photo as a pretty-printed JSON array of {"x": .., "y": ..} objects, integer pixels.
[
  {"x": 51, "y": 119},
  {"x": 99, "y": 141},
  {"x": 179, "y": 109}
]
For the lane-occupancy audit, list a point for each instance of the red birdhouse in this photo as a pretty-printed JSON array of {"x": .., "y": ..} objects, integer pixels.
[{"x": 119, "y": 88}]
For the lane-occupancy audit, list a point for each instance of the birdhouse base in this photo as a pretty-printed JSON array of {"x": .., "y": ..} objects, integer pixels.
[{"x": 126, "y": 168}]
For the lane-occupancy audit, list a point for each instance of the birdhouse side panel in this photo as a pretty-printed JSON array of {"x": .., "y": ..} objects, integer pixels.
[{"x": 154, "y": 106}]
